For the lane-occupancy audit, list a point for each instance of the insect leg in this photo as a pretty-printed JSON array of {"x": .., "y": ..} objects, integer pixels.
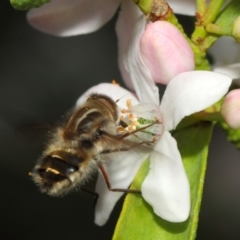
[
  {"x": 105, "y": 176},
  {"x": 138, "y": 130},
  {"x": 127, "y": 148}
]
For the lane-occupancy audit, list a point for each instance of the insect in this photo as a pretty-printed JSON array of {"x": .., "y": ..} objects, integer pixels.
[{"x": 82, "y": 144}]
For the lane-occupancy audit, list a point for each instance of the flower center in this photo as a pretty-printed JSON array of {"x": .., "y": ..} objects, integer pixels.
[{"x": 142, "y": 119}]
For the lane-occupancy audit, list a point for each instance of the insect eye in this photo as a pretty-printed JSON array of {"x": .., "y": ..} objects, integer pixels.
[{"x": 86, "y": 144}]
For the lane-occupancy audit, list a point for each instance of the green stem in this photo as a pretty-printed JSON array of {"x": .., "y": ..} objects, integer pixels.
[
  {"x": 201, "y": 63},
  {"x": 144, "y": 5},
  {"x": 212, "y": 11},
  {"x": 209, "y": 40},
  {"x": 220, "y": 30},
  {"x": 200, "y": 33},
  {"x": 201, "y": 6}
]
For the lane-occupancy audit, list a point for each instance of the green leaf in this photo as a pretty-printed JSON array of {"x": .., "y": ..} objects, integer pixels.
[
  {"x": 137, "y": 220},
  {"x": 27, "y": 4}
]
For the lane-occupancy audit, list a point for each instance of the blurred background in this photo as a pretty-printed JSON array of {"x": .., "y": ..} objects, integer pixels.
[{"x": 41, "y": 77}]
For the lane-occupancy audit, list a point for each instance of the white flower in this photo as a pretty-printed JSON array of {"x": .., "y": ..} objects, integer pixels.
[{"x": 166, "y": 187}]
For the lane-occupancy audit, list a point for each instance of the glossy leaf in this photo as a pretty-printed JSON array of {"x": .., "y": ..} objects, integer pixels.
[{"x": 137, "y": 220}]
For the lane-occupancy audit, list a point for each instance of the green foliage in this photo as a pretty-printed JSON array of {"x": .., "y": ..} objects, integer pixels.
[
  {"x": 27, "y": 4},
  {"x": 233, "y": 135},
  {"x": 137, "y": 220},
  {"x": 225, "y": 20}
]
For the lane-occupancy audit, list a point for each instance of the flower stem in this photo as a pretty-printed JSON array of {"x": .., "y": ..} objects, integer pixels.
[
  {"x": 212, "y": 11},
  {"x": 205, "y": 18},
  {"x": 220, "y": 30},
  {"x": 144, "y": 5},
  {"x": 201, "y": 7}
]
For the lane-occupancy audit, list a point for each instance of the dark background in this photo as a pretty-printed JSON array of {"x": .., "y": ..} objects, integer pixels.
[{"x": 40, "y": 79}]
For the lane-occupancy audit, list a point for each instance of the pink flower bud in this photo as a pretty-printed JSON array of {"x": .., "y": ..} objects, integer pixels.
[
  {"x": 165, "y": 51},
  {"x": 231, "y": 109}
]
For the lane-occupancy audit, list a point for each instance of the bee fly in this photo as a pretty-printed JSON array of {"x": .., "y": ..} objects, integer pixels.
[{"x": 80, "y": 146}]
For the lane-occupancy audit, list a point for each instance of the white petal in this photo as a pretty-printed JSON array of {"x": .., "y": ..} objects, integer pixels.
[
  {"x": 166, "y": 186},
  {"x": 127, "y": 18},
  {"x": 191, "y": 92},
  {"x": 225, "y": 51},
  {"x": 117, "y": 93},
  {"x": 72, "y": 17},
  {"x": 140, "y": 75},
  {"x": 121, "y": 171},
  {"x": 185, "y": 7},
  {"x": 232, "y": 70}
]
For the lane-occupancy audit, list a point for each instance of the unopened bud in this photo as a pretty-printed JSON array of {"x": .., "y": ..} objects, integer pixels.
[
  {"x": 165, "y": 51},
  {"x": 230, "y": 109}
]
